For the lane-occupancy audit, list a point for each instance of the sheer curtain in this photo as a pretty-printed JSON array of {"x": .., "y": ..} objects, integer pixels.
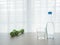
[
  {"x": 57, "y": 22},
  {"x": 40, "y": 14},
  {"x": 16, "y": 14},
  {"x": 12, "y": 14},
  {"x": 28, "y": 14},
  {"x": 3, "y": 16}
]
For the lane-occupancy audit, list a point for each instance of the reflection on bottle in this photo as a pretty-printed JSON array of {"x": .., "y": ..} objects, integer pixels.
[{"x": 50, "y": 30}]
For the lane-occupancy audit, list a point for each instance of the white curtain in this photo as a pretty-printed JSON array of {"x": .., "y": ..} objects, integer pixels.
[
  {"x": 31, "y": 15},
  {"x": 57, "y": 18},
  {"x": 3, "y": 16},
  {"x": 16, "y": 14},
  {"x": 12, "y": 13},
  {"x": 37, "y": 15}
]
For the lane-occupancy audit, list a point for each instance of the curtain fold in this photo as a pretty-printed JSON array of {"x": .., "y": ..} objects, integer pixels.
[
  {"x": 3, "y": 16},
  {"x": 32, "y": 15},
  {"x": 16, "y": 11}
]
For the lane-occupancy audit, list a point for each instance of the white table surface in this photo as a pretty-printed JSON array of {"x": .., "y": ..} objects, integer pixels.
[{"x": 27, "y": 39}]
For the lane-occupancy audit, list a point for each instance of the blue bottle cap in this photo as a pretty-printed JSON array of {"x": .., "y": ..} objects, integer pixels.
[{"x": 50, "y": 13}]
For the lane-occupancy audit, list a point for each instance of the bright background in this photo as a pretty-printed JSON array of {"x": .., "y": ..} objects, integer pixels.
[{"x": 32, "y": 15}]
